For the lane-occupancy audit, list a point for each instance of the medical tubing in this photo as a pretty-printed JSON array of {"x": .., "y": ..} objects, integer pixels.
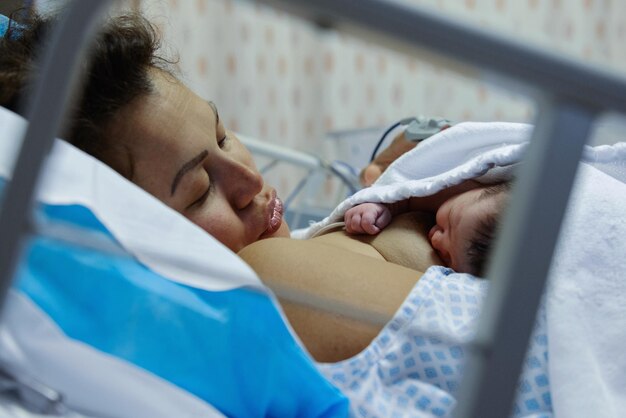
[{"x": 382, "y": 139}]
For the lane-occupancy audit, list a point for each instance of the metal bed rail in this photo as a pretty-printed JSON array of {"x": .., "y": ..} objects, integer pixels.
[
  {"x": 571, "y": 94},
  {"x": 60, "y": 79},
  {"x": 52, "y": 94},
  {"x": 301, "y": 159}
]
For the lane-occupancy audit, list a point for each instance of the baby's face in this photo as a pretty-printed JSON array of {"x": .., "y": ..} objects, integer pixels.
[{"x": 456, "y": 221}]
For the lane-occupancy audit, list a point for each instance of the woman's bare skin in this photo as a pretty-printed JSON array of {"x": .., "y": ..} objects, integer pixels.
[
  {"x": 402, "y": 242},
  {"x": 364, "y": 275}
]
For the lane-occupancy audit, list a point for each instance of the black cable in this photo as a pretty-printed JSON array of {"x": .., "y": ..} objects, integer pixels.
[{"x": 382, "y": 139}]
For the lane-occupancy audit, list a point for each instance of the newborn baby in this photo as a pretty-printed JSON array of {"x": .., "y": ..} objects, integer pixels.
[{"x": 466, "y": 221}]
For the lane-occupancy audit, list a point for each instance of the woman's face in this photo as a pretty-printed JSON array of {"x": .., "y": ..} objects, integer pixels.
[{"x": 181, "y": 153}]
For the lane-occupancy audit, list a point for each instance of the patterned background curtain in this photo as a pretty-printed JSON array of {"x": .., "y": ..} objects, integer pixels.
[{"x": 288, "y": 82}]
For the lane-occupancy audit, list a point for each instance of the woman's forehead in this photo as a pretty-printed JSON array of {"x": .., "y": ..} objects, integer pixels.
[
  {"x": 166, "y": 128},
  {"x": 175, "y": 97},
  {"x": 173, "y": 111}
]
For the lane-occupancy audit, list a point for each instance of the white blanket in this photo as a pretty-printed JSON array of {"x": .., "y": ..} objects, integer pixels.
[
  {"x": 585, "y": 304},
  {"x": 585, "y": 299}
]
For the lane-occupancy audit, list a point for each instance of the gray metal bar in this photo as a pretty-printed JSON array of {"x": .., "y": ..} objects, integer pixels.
[
  {"x": 521, "y": 261},
  {"x": 299, "y": 159},
  {"x": 535, "y": 68},
  {"x": 34, "y": 395},
  {"x": 56, "y": 84},
  {"x": 266, "y": 149}
]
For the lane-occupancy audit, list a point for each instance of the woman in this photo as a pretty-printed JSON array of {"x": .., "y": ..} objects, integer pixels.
[{"x": 153, "y": 130}]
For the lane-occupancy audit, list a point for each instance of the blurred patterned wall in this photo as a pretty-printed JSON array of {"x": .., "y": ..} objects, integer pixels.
[{"x": 288, "y": 82}]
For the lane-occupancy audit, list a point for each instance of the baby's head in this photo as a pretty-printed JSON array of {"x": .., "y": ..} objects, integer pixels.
[{"x": 466, "y": 225}]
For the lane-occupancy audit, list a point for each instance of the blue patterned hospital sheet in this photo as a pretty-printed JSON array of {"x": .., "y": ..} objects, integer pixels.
[{"x": 414, "y": 366}]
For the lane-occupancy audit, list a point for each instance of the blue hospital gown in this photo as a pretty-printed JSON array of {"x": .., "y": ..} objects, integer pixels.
[{"x": 414, "y": 366}]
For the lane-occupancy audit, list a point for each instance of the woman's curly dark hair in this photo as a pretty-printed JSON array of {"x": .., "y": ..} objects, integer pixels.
[{"x": 117, "y": 73}]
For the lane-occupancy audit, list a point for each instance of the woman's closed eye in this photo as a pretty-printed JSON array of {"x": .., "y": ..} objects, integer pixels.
[
  {"x": 201, "y": 199},
  {"x": 222, "y": 142}
]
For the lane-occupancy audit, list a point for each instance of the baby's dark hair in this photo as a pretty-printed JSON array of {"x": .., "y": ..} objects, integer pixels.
[
  {"x": 484, "y": 234},
  {"x": 117, "y": 73}
]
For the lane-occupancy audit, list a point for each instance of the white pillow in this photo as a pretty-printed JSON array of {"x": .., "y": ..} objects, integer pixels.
[{"x": 157, "y": 235}]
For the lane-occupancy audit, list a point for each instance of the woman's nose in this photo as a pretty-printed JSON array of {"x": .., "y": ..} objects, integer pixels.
[{"x": 244, "y": 182}]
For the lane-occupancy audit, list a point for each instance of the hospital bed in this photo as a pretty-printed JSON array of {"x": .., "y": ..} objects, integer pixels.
[{"x": 570, "y": 96}]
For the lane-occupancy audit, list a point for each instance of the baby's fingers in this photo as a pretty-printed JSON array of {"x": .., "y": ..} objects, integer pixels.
[
  {"x": 384, "y": 219},
  {"x": 353, "y": 223},
  {"x": 368, "y": 223}
]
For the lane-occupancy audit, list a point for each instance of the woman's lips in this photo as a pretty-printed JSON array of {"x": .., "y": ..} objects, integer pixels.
[{"x": 274, "y": 214}]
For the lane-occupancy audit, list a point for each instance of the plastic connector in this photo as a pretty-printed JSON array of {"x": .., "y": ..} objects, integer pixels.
[{"x": 422, "y": 128}]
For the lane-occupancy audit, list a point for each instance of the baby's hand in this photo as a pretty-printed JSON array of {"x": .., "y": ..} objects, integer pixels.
[{"x": 367, "y": 218}]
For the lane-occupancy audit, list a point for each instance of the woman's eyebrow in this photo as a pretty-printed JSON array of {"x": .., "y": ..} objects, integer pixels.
[{"x": 187, "y": 167}]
